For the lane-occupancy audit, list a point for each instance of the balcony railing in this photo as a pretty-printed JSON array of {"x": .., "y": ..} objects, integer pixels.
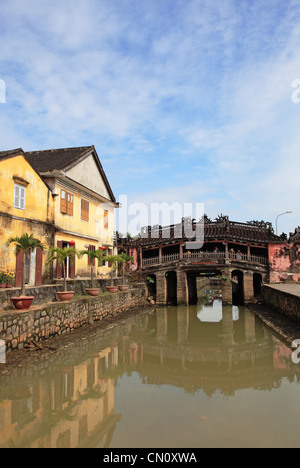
[{"x": 219, "y": 257}]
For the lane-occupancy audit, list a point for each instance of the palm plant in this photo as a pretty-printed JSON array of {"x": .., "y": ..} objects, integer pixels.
[
  {"x": 60, "y": 254},
  {"x": 26, "y": 243},
  {"x": 92, "y": 256},
  {"x": 113, "y": 259}
]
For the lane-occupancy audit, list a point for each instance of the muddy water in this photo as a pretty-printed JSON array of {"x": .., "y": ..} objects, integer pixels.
[{"x": 188, "y": 377}]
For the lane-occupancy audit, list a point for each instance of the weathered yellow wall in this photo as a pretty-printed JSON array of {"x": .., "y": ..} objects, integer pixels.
[
  {"x": 95, "y": 226},
  {"x": 39, "y": 202},
  {"x": 37, "y": 216},
  {"x": 87, "y": 232}
]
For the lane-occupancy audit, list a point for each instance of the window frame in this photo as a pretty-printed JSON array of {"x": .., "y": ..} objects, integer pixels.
[
  {"x": 19, "y": 197},
  {"x": 66, "y": 202},
  {"x": 86, "y": 218}
]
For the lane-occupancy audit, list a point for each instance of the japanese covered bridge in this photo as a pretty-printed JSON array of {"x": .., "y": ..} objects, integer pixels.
[{"x": 235, "y": 253}]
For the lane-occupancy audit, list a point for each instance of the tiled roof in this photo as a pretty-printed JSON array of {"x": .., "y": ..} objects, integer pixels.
[
  {"x": 228, "y": 230},
  {"x": 56, "y": 159},
  {"x": 63, "y": 158},
  {"x": 46, "y": 161},
  {"x": 10, "y": 154}
]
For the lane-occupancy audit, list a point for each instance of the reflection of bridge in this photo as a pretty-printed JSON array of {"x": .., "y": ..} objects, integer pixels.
[
  {"x": 181, "y": 351},
  {"x": 236, "y": 252}
]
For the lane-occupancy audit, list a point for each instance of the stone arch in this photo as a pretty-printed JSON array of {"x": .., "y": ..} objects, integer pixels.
[
  {"x": 151, "y": 285},
  {"x": 237, "y": 280}
]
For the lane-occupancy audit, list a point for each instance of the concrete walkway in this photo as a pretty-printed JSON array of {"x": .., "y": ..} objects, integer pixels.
[{"x": 293, "y": 289}]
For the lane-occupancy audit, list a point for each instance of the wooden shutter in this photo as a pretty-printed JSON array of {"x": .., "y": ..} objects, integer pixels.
[
  {"x": 85, "y": 208},
  {"x": 19, "y": 269},
  {"x": 63, "y": 201},
  {"x": 72, "y": 266},
  {"x": 59, "y": 272},
  {"x": 19, "y": 197},
  {"x": 70, "y": 203},
  {"x": 39, "y": 267}
]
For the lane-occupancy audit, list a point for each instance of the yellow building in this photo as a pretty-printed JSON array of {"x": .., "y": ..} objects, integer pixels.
[
  {"x": 84, "y": 202},
  {"x": 63, "y": 197},
  {"x": 26, "y": 206}
]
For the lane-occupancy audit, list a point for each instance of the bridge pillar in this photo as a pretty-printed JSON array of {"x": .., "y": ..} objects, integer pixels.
[
  {"x": 182, "y": 288},
  {"x": 248, "y": 286},
  {"x": 161, "y": 288}
]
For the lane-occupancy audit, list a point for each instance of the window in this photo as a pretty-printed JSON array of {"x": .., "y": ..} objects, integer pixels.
[
  {"x": 85, "y": 208},
  {"x": 105, "y": 219},
  {"x": 19, "y": 197},
  {"x": 66, "y": 202}
]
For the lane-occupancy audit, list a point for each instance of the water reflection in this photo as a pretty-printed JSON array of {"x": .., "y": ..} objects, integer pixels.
[{"x": 209, "y": 348}]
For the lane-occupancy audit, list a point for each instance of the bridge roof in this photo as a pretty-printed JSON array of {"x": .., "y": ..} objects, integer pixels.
[{"x": 254, "y": 232}]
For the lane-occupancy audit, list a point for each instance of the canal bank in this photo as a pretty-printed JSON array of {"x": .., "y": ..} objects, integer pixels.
[
  {"x": 280, "y": 310},
  {"x": 47, "y": 320}
]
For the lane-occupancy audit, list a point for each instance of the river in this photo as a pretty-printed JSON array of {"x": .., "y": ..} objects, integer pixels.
[{"x": 206, "y": 375}]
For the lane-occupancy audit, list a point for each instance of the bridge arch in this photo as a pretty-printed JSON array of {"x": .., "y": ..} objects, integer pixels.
[
  {"x": 237, "y": 280},
  {"x": 257, "y": 284},
  {"x": 151, "y": 285}
]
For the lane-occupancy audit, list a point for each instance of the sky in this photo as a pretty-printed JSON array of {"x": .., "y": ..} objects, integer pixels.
[{"x": 185, "y": 101}]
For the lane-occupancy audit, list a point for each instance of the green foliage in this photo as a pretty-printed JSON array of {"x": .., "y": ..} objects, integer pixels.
[
  {"x": 60, "y": 255},
  {"x": 92, "y": 256},
  {"x": 26, "y": 243}
]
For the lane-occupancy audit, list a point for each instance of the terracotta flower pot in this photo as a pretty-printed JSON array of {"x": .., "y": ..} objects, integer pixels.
[
  {"x": 2, "y": 286},
  {"x": 8, "y": 285},
  {"x": 22, "y": 302},
  {"x": 92, "y": 291},
  {"x": 65, "y": 295},
  {"x": 123, "y": 287},
  {"x": 112, "y": 289}
]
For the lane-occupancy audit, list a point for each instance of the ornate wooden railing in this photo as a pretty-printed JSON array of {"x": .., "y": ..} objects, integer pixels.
[{"x": 215, "y": 256}]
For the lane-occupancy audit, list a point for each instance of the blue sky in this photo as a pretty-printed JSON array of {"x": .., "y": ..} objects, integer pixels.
[{"x": 185, "y": 100}]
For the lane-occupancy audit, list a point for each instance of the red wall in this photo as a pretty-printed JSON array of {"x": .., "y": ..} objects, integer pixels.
[{"x": 284, "y": 262}]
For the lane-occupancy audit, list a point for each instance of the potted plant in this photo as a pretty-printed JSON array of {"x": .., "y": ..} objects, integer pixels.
[
  {"x": 92, "y": 256},
  {"x": 60, "y": 254},
  {"x": 9, "y": 279},
  {"x": 26, "y": 243},
  {"x": 113, "y": 259},
  {"x": 123, "y": 259}
]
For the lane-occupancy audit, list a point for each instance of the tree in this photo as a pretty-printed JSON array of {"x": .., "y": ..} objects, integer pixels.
[
  {"x": 92, "y": 256},
  {"x": 26, "y": 243},
  {"x": 60, "y": 255}
]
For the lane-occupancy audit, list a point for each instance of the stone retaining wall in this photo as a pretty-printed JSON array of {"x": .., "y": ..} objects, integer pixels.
[
  {"x": 47, "y": 293},
  {"x": 51, "y": 319},
  {"x": 283, "y": 302}
]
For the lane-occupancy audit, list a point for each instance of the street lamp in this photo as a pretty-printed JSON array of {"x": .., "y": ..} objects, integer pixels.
[{"x": 287, "y": 212}]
